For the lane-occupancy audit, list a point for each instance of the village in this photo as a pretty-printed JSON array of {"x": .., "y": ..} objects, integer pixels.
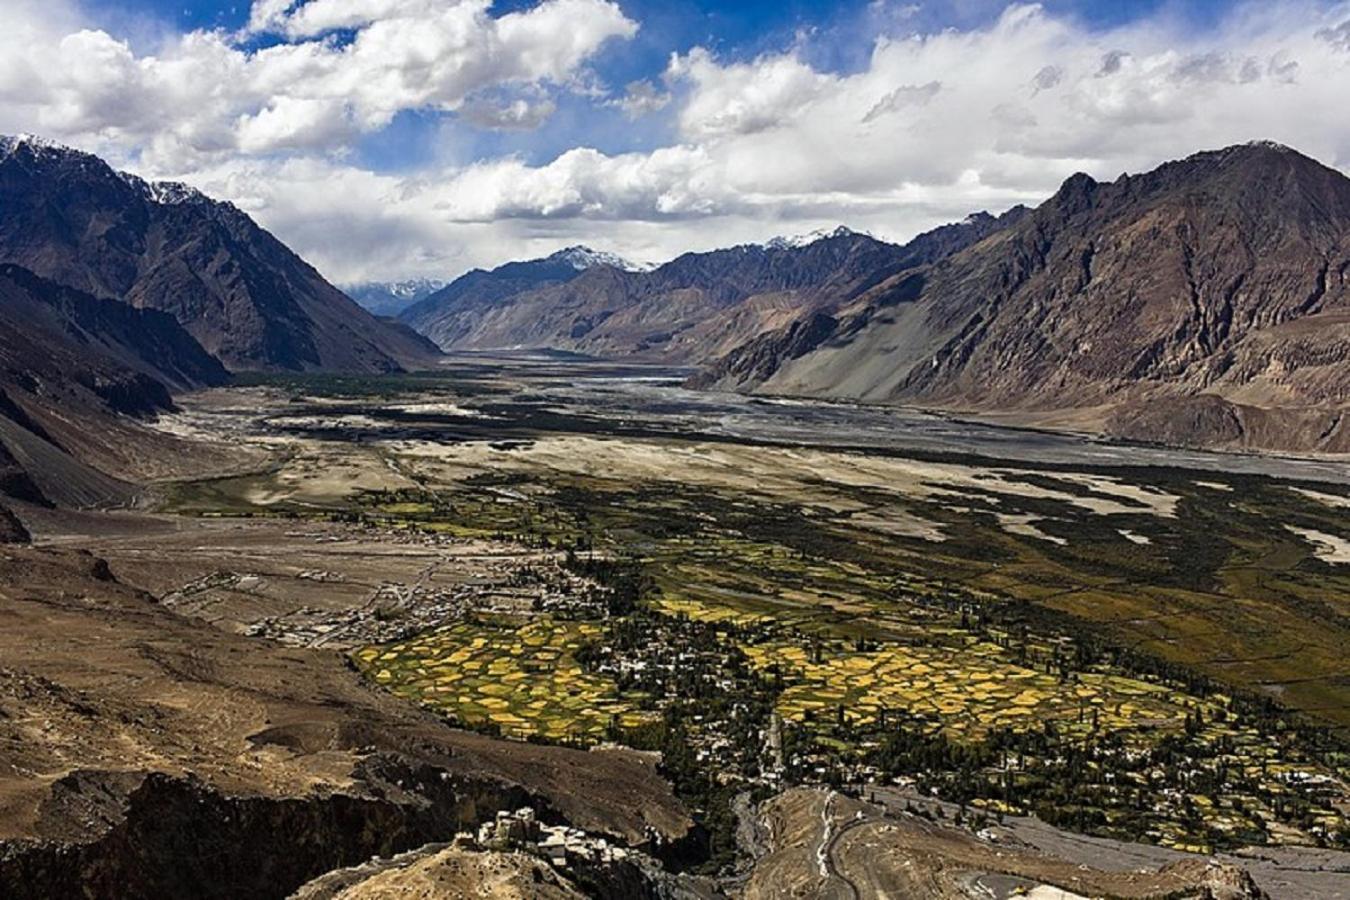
[{"x": 749, "y": 704}]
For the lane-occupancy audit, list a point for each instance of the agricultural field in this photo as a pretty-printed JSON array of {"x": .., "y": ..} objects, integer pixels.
[
  {"x": 970, "y": 692},
  {"x": 518, "y": 678}
]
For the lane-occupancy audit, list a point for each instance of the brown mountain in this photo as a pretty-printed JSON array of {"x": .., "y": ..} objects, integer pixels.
[
  {"x": 691, "y": 309},
  {"x": 76, "y": 372},
  {"x": 1204, "y": 303},
  {"x": 240, "y": 292}
]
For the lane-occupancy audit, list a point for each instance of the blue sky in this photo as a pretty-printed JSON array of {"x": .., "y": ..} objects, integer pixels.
[
  {"x": 743, "y": 25},
  {"x": 391, "y": 138}
]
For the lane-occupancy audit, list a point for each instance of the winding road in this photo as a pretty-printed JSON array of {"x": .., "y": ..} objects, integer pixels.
[{"x": 829, "y": 842}]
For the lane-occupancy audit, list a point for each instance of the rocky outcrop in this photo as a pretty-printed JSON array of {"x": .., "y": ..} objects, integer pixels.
[
  {"x": 439, "y": 870},
  {"x": 166, "y": 836},
  {"x": 242, "y": 294},
  {"x": 1206, "y": 303},
  {"x": 12, "y": 531}
]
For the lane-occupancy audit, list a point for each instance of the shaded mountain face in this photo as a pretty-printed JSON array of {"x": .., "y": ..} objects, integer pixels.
[
  {"x": 1206, "y": 303},
  {"x": 106, "y": 333},
  {"x": 691, "y": 309},
  {"x": 240, "y": 292},
  {"x": 75, "y": 371},
  {"x": 389, "y": 298}
]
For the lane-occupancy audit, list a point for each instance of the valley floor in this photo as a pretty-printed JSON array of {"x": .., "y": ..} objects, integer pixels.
[{"x": 843, "y": 633}]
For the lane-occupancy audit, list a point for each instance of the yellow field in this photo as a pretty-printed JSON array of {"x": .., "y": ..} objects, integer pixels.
[
  {"x": 520, "y": 675},
  {"x": 970, "y": 691}
]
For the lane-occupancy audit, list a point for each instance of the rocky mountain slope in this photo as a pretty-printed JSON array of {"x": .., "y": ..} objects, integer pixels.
[
  {"x": 1204, "y": 303},
  {"x": 76, "y": 372},
  {"x": 240, "y": 292},
  {"x": 693, "y": 308}
]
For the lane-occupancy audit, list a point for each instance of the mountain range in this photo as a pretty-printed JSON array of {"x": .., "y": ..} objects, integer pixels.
[
  {"x": 1204, "y": 303},
  {"x": 116, "y": 293},
  {"x": 689, "y": 310}
]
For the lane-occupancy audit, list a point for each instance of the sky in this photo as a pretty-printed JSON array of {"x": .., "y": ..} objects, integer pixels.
[{"x": 387, "y": 139}]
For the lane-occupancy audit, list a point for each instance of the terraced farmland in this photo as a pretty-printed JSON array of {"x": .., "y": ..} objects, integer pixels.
[
  {"x": 520, "y": 677},
  {"x": 969, "y": 691}
]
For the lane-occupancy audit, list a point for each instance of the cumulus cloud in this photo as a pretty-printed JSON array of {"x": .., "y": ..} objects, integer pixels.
[
  {"x": 206, "y": 92},
  {"x": 745, "y": 98}
]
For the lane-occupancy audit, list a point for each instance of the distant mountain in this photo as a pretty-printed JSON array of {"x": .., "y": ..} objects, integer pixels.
[
  {"x": 75, "y": 372},
  {"x": 240, "y": 292},
  {"x": 389, "y": 298},
  {"x": 690, "y": 309},
  {"x": 583, "y": 258},
  {"x": 445, "y": 315},
  {"x": 805, "y": 240},
  {"x": 1204, "y": 303}
]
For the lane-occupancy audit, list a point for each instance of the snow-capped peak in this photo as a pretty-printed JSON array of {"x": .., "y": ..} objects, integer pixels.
[
  {"x": 166, "y": 193},
  {"x": 582, "y": 258},
  {"x": 1270, "y": 145},
  {"x": 806, "y": 240},
  {"x": 170, "y": 192},
  {"x": 412, "y": 287},
  {"x": 403, "y": 289},
  {"x": 9, "y": 144}
]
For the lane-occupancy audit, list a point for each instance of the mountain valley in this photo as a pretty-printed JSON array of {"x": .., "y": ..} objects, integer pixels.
[{"x": 1201, "y": 304}]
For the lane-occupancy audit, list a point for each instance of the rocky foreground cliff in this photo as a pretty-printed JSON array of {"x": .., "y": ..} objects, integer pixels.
[
  {"x": 151, "y": 755},
  {"x": 1205, "y": 303}
]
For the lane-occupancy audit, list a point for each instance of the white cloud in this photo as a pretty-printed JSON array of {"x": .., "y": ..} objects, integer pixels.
[
  {"x": 204, "y": 93},
  {"x": 642, "y": 98},
  {"x": 745, "y": 98}
]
